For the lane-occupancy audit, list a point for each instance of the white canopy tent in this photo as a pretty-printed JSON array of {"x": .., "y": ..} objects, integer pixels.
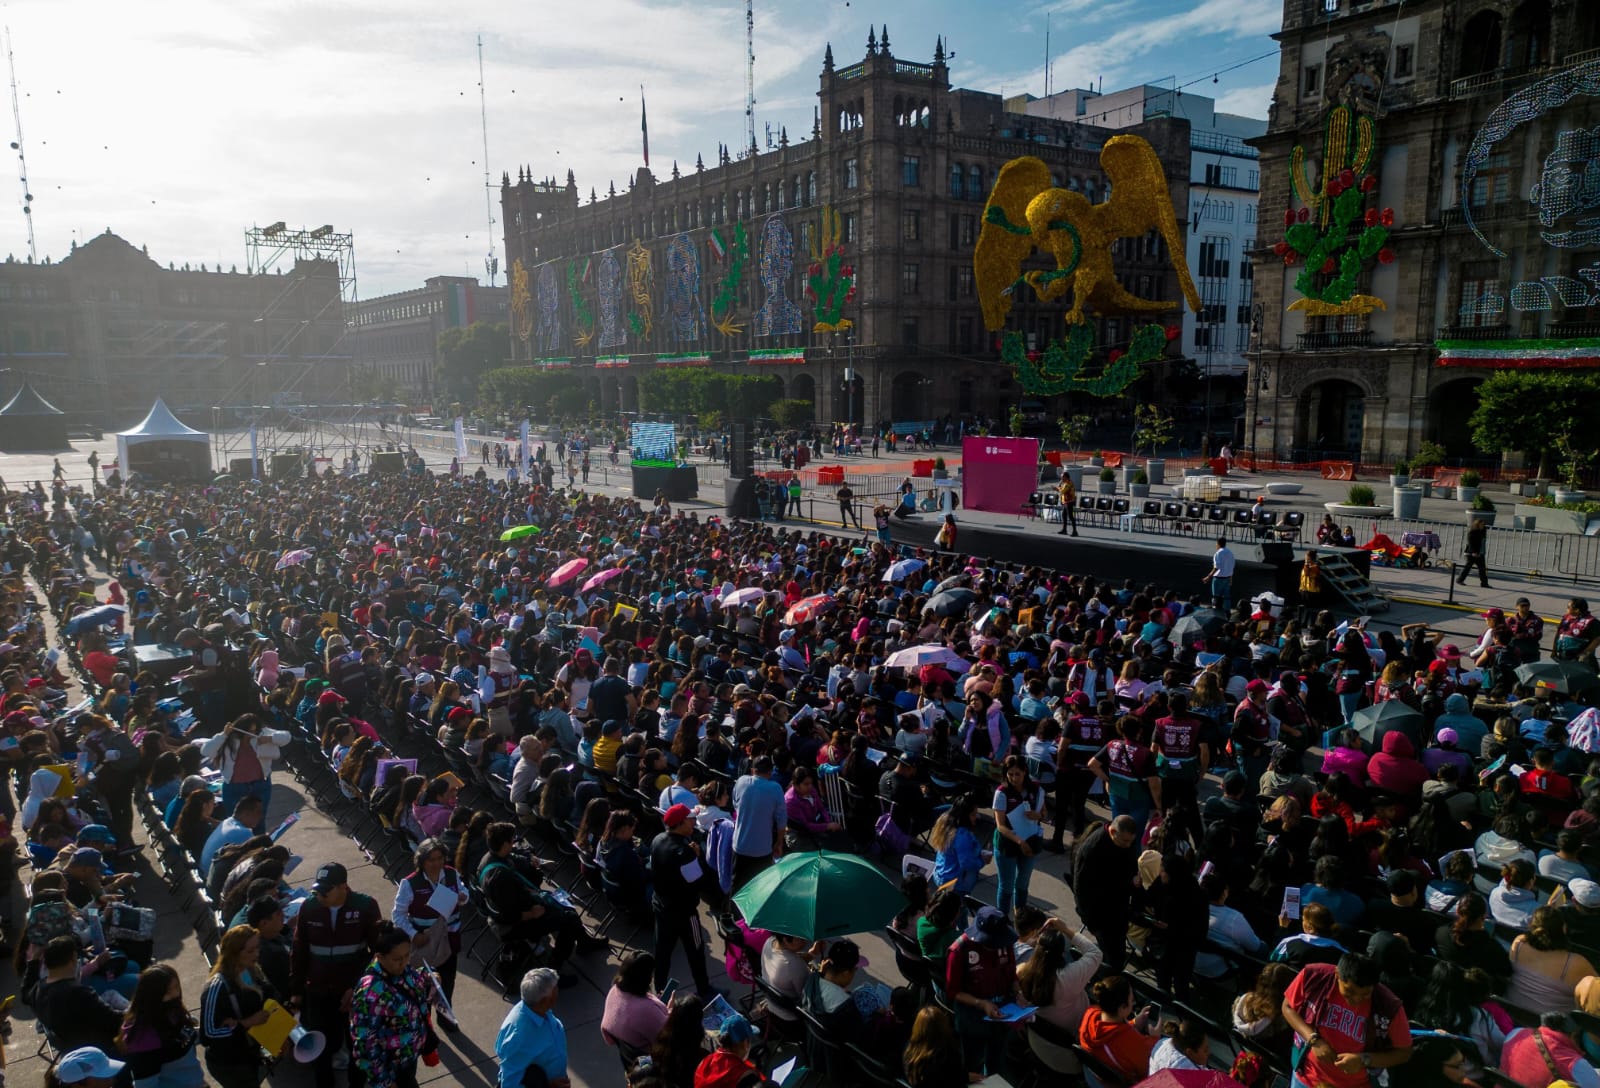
[{"x": 164, "y": 447}]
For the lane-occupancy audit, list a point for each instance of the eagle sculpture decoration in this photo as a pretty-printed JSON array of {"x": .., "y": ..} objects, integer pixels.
[{"x": 1025, "y": 213}]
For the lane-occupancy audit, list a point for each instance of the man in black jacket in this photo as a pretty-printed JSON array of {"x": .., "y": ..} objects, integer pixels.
[
  {"x": 677, "y": 873},
  {"x": 1103, "y": 868},
  {"x": 71, "y": 1012}
]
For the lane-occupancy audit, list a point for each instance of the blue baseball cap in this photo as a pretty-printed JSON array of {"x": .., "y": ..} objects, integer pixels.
[{"x": 736, "y": 1029}]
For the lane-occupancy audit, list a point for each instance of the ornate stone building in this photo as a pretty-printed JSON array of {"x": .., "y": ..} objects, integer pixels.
[
  {"x": 852, "y": 248},
  {"x": 397, "y": 335},
  {"x": 1485, "y": 129}
]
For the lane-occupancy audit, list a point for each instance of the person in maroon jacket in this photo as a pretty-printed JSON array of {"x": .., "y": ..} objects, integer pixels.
[
  {"x": 332, "y": 936},
  {"x": 1182, "y": 754}
]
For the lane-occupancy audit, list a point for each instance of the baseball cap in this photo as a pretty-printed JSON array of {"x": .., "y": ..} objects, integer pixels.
[
  {"x": 736, "y": 1029},
  {"x": 87, "y": 855},
  {"x": 1448, "y": 736},
  {"x": 1585, "y": 893},
  {"x": 675, "y": 815},
  {"x": 1401, "y": 882},
  {"x": 79, "y": 1065},
  {"x": 457, "y": 713},
  {"x": 1494, "y": 614},
  {"x": 424, "y": 679},
  {"x": 330, "y": 697},
  {"x": 1255, "y": 685},
  {"x": 329, "y": 877}
]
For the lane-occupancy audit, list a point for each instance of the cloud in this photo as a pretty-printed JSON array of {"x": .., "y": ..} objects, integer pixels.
[{"x": 1247, "y": 101}]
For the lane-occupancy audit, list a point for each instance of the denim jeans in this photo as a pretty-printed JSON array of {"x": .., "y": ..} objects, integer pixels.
[
  {"x": 233, "y": 793},
  {"x": 180, "y": 1072},
  {"x": 1014, "y": 874},
  {"x": 1222, "y": 592},
  {"x": 1349, "y": 703}
]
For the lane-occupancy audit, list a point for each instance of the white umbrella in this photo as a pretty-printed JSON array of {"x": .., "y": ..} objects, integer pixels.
[
  {"x": 902, "y": 569},
  {"x": 927, "y": 654},
  {"x": 740, "y": 597}
]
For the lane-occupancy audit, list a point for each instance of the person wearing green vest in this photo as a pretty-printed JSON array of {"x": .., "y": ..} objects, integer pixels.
[{"x": 794, "y": 495}]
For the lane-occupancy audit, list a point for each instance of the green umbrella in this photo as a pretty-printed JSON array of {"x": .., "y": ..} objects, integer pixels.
[
  {"x": 519, "y": 531},
  {"x": 820, "y": 895}
]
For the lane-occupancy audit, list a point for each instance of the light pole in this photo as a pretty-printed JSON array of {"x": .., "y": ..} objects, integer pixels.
[{"x": 1262, "y": 378}]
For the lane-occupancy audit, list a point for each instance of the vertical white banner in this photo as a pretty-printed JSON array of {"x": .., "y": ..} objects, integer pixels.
[
  {"x": 255, "y": 459},
  {"x": 527, "y": 452},
  {"x": 461, "y": 439}
]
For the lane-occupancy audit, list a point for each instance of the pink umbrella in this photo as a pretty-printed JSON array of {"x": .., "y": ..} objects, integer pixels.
[
  {"x": 808, "y": 608},
  {"x": 602, "y": 578},
  {"x": 566, "y": 572}
]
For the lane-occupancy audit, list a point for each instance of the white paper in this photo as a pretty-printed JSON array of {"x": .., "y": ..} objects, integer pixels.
[
  {"x": 780, "y": 1075},
  {"x": 444, "y": 901},
  {"x": 1291, "y": 903},
  {"x": 692, "y": 871}
]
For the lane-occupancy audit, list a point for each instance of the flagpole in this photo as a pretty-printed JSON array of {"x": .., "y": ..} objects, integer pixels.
[{"x": 644, "y": 126}]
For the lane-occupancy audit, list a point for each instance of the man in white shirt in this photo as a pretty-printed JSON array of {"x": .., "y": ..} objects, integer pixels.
[{"x": 1221, "y": 576}]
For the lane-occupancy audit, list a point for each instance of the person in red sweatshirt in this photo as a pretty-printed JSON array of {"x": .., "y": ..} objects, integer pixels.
[
  {"x": 729, "y": 1066},
  {"x": 1397, "y": 769},
  {"x": 1546, "y": 782}
]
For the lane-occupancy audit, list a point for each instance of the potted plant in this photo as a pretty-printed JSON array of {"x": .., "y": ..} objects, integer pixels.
[
  {"x": 1097, "y": 459},
  {"x": 1152, "y": 429},
  {"x": 1573, "y": 460},
  {"x": 1429, "y": 456},
  {"x": 1482, "y": 509},
  {"x": 1469, "y": 486},
  {"x": 1140, "y": 487},
  {"x": 1073, "y": 431},
  {"x": 1126, "y": 471},
  {"x": 1401, "y": 476},
  {"x": 1108, "y": 482},
  {"x": 1360, "y": 501},
  {"x": 939, "y": 471}
]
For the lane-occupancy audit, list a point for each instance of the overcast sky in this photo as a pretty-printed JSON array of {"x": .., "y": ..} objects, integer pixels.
[{"x": 180, "y": 123}]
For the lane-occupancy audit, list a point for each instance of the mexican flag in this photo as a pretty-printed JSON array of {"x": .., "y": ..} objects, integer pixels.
[{"x": 718, "y": 246}]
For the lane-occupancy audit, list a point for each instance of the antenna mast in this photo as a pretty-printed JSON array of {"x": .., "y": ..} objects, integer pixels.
[
  {"x": 22, "y": 158},
  {"x": 750, "y": 74},
  {"x": 491, "y": 263}
]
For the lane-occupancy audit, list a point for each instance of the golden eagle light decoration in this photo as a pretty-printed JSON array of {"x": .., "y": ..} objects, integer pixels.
[{"x": 1026, "y": 213}]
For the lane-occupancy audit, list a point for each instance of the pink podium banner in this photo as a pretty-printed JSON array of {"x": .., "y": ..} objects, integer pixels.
[{"x": 998, "y": 474}]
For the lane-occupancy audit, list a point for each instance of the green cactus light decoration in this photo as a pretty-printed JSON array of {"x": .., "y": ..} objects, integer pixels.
[
  {"x": 1345, "y": 236},
  {"x": 1059, "y": 368}
]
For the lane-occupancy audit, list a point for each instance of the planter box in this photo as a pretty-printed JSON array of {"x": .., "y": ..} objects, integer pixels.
[
  {"x": 1561, "y": 494},
  {"x": 1075, "y": 474},
  {"x": 1049, "y": 473},
  {"x": 1399, "y": 481},
  {"x": 1467, "y": 494},
  {"x": 1485, "y": 516},
  {"x": 1427, "y": 488},
  {"x": 1201, "y": 470},
  {"x": 1156, "y": 469},
  {"x": 1106, "y": 487},
  {"x": 1356, "y": 511},
  {"x": 1139, "y": 491},
  {"x": 1549, "y": 520},
  {"x": 1095, "y": 462},
  {"x": 1407, "y": 502}
]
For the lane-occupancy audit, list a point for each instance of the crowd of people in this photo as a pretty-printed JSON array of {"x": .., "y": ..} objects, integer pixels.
[{"x": 1284, "y": 881}]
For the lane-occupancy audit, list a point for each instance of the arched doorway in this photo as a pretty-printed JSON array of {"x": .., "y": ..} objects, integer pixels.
[
  {"x": 1329, "y": 419},
  {"x": 804, "y": 387},
  {"x": 1450, "y": 407},
  {"x": 908, "y": 397},
  {"x": 847, "y": 402},
  {"x": 1528, "y": 35},
  {"x": 630, "y": 393}
]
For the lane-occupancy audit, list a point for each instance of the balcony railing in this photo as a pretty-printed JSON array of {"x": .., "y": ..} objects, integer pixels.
[
  {"x": 1475, "y": 332},
  {"x": 1572, "y": 329},
  {"x": 1333, "y": 341}
]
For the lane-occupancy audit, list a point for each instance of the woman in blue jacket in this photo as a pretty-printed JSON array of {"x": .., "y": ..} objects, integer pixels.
[{"x": 960, "y": 857}]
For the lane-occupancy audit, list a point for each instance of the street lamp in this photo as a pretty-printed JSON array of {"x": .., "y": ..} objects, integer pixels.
[{"x": 1262, "y": 380}]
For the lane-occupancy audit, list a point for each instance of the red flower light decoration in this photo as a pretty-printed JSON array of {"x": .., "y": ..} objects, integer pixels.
[
  {"x": 1174, "y": 331},
  {"x": 1116, "y": 353},
  {"x": 1347, "y": 178},
  {"x": 1280, "y": 248},
  {"x": 1328, "y": 265},
  {"x": 1303, "y": 215},
  {"x": 1369, "y": 183},
  {"x": 1335, "y": 189},
  {"x": 1386, "y": 255},
  {"x": 1371, "y": 218},
  {"x": 1288, "y": 217},
  {"x": 1288, "y": 258},
  {"x": 1387, "y": 218}
]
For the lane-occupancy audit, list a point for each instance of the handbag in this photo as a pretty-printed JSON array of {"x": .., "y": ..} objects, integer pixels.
[
  {"x": 129, "y": 923},
  {"x": 432, "y": 945},
  {"x": 890, "y": 836}
]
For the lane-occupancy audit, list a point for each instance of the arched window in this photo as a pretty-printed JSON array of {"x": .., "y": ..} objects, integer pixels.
[
  {"x": 957, "y": 177},
  {"x": 975, "y": 181},
  {"x": 811, "y": 188}
]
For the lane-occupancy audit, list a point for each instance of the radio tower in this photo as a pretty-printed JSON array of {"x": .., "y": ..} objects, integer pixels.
[
  {"x": 491, "y": 263},
  {"x": 22, "y": 157},
  {"x": 750, "y": 75}
]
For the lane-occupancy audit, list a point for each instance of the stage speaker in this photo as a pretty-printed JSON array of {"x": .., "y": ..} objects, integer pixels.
[
  {"x": 1277, "y": 551},
  {"x": 387, "y": 463},
  {"x": 739, "y": 498},
  {"x": 286, "y": 466},
  {"x": 741, "y": 452}
]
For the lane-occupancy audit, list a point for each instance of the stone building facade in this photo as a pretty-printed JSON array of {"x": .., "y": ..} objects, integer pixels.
[
  {"x": 1487, "y": 133},
  {"x": 397, "y": 335},
  {"x": 106, "y": 330},
  {"x": 711, "y": 266}
]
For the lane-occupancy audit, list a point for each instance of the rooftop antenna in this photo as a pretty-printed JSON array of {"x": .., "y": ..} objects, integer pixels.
[
  {"x": 22, "y": 158},
  {"x": 1047, "y": 54},
  {"x": 491, "y": 263},
  {"x": 750, "y": 74}
]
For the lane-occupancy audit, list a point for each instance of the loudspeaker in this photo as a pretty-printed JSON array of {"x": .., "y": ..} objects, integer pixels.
[
  {"x": 741, "y": 451},
  {"x": 739, "y": 498},
  {"x": 387, "y": 462},
  {"x": 286, "y": 466},
  {"x": 1277, "y": 551}
]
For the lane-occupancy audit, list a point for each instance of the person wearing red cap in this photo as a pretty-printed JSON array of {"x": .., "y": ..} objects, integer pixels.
[{"x": 678, "y": 871}]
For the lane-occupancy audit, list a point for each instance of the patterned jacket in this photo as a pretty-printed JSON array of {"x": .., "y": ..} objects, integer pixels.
[{"x": 388, "y": 1022}]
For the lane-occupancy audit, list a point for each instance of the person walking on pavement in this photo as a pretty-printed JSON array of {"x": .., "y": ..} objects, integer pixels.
[
  {"x": 847, "y": 510},
  {"x": 1068, "y": 496},
  {"x": 1221, "y": 575},
  {"x": 678, "y": 871},
  {"x": 331, "y": 941},
  {"x": 1476, "y": 546}
]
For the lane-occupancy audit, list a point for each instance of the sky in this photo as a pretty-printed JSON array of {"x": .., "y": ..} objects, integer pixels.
[{"x": 179, "y": 124}]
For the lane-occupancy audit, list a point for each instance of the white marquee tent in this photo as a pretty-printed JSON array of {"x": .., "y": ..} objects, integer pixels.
[{"x": 164, "y": 447}]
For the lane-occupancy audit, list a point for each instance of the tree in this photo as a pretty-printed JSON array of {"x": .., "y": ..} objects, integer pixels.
[
  {"x": 1536, "y": 411},
  {"x": 1152, "y": 429},
  {"x": 371, "y": 384},
  {"x": 518, "y": 387},
  {"x": 569, "y": 400},
  {"x": 1073, "y": 430},
  {"x": 694, "y": 391},
  {"x": 791, "y": 413},
  {"x": 466, "y": 354}
]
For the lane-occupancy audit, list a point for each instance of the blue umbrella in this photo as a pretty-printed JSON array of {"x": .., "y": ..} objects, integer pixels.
[{"x": 94, "y": 617}]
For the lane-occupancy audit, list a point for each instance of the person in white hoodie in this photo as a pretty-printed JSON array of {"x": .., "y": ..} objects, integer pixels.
[{"x": 244, "y": 752}]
